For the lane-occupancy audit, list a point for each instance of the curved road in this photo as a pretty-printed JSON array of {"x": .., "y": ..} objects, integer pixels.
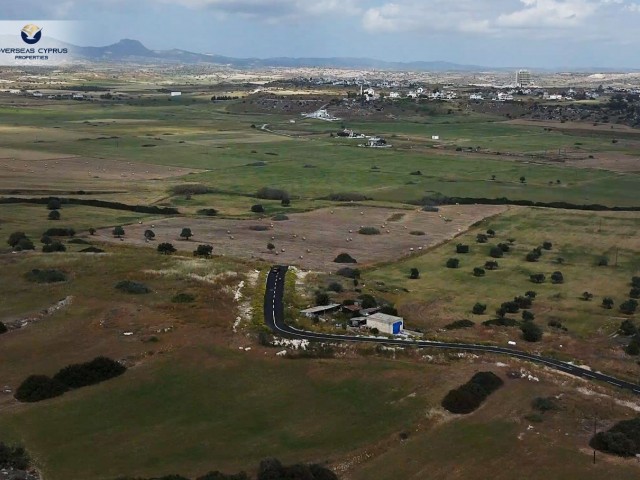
[{"x": 274, "y": 318}]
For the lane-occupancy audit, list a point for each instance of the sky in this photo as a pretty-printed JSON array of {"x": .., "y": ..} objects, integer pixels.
[{"x": 494, "y": 33}]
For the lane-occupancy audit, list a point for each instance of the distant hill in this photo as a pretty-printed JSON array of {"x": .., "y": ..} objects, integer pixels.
[{"x": 133, "y": 50}]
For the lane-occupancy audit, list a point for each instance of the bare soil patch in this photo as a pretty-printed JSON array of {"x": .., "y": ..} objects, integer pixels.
[{"x": 312, "y": 240}]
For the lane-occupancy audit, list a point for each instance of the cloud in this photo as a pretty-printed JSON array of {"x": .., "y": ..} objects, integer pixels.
[{"x": 548, "y": 14}]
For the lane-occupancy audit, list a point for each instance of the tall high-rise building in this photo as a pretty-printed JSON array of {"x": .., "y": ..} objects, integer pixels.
[{"x": 523, "y": 78}]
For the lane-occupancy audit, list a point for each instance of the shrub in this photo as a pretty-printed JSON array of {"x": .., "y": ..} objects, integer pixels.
[
  {"x": 62, "y": 232},
  {"x": 547, "y": 245},
  {"x": 523, "y": 302},
  {"x": 344, "y": 258},
  {"x": 537, "y": 278},
  {"x": 496, "y": 252},
  {"x": 369, "y": 231},
  {"x": 635, "y": 293},
  {"x": 414, "y": 274},
  {"x": 532, "y": 257},
  {"x": 431, "y": 209},
  {"x": 511, "y": 307},
  {"x": 544, "y": 404},
  {"x": 3, "y": 328},
  {"x": 208, "y": 212},
  {"x": 491, "y": 233},
  {"x": 460, "y": 248},
  {"x": 39, "y": 387},
  {"x": 635, "y": 282},
  {"x": 531, "y": 332},
  {"x": 453, "y": 263},
  {"x": 149, "y": 234},
  {"x": 627, "y": 328},
  {"x": 118, "y": 232},
  {"x": 586, "y": 296},
  {"x": 528, "y": 316},
  {"x": 92, "y": 250},
  {"x": 54, "y": 215},
  {"x": 531, "y": 294},
  {"x": 622, "y": 439},
  {"x": 166, "y": 249},
  {"x": 203, "y": 251},
  {"x": 478, "y": 272},
  {"x": 74, "y": 241},
  {"x": 368, "y": 301},
  {"x": 13, "y": 458},
  {"x": 129, "y": 286},
  {"x": 491, "y": 265},
  {"x": 54, "y": 204},
  {"x": 186, "y": 233},
  {"x": 268, "y": 193},
  {"x": 84, "y": 374},
  {"x": 46, "y": 276},
  {"x": 603, "y": 262},
  {"x": 629, "y": 307},
  {"x": 557, "y": 277},
  {"x": 458, "y": 324},
  {"x": 24, "y": 244},
  {"x": 633, "y": 348},
  {"x": 389, "y": 310},
  {"x": 607, "y": 302},
  {"x": 500, "y": 322},
  {"x": 257, "y": 209},
  {"x": 259, "y": 228},
  {"x": 504, "y": 247},
  {"x": 479, "y": 309},
  {"x": 285, "y": 202},
  {"x": 54, "y": 247},
  {"x": 347, "y": 197},
  {"x": 183, "y": 298},
  {"x": 482, "y": 238},
  {"x": 15, "y": 237},
  {"x": 417, "y": 233},
  {"x": 335, "y": 287},
  {"x": 279, "y": 218},
  {"x": 92, "y": 231},
  {"x": 349, "y": 273},
  {"x": 191, "y": 189},
  {"x": 468, "y": 397},
  {"x": 322, "y": 298}
]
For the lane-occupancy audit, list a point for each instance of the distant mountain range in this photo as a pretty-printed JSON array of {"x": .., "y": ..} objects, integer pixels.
[{"x": 134, "y": 51}]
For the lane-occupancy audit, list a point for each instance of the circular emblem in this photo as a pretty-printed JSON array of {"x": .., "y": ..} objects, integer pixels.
[{"x": 31, "y": 34}]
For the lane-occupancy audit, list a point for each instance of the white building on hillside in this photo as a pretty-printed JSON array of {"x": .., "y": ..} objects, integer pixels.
[{"x": 388, "y": 324}]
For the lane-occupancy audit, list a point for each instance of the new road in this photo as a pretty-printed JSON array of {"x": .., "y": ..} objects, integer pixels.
[{"x": 274, "y": 318}]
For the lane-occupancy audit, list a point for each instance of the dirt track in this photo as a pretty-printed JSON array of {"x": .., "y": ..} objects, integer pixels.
[{"x": 312, "y": 240}]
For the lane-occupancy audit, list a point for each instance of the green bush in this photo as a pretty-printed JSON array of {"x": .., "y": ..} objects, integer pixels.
[
  {"x": 629, "y": 307},
  {"x": 479, "y": 309},
  {"x": 531, "y": 332},
  {"x": 166, "y": 248},
  {"x": 349, "y": 273},
  {"x": 335, "y": 287},
  {"x": 453, "y": 263},
  {"x": 60, "y": 232},
  {"x": 183, "y": 298},
  {"x": 544, "y": 404},
  {"x": 13, "y": 457},
  {"x": 39, "y": 387},
  {"x": 417, "y": 233},
  {"x": 460, "y": 248},
  {"x": 369, "y": 231},
  {"x": 54, "y": 215},
  {"x": 458, "y": 324},
  {"x": 623, "y": 439},
  {"x": 92, "y": 250},
  {"x": 268, "y": 193},
  {"x": 208, "y": 212},
  {"x": 54, "y": 247},
  {"x": 557, "y": 277},
  {"x": 203, "y": 251},
  {"x": 84, "y": 374},
  {"x": 46, "y": 276},
  {"x": 135, "y": 288},
  {"x": 3, "y": 328},
  {"x": 468, "y": 397},
  {"x": 77, "y": 241},
  {"x": 281, "y": 217},
  {"x": 345, "y": 258},
  {"x": 496, "y": 252},
  {"x": 257, "y": 209},
  {"x": 491, "y": 265},
  {"x": 478, "y": 272},
  {"x": 537, "y": 277}
]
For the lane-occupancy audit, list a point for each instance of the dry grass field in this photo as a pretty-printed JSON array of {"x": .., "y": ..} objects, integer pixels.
[{"x": 313, "y": 240}]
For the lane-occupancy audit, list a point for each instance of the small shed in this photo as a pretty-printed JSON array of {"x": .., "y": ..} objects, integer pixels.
[
  {"x": 320, "y": 310},
  {"x": 388, "y": 324}
]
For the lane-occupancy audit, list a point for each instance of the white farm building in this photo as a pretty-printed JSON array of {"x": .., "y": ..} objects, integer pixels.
[{"x": 386, "y": 323}]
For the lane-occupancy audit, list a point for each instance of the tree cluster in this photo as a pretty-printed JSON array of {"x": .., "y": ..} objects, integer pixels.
[
  {"x": 41, "y": 387},
  {"x": 623, "y": 439},
  {"x": 469, "y": 396}
]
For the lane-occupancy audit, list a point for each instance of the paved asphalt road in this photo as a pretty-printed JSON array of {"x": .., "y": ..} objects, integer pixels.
[{"x": 274, "y": 318}]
